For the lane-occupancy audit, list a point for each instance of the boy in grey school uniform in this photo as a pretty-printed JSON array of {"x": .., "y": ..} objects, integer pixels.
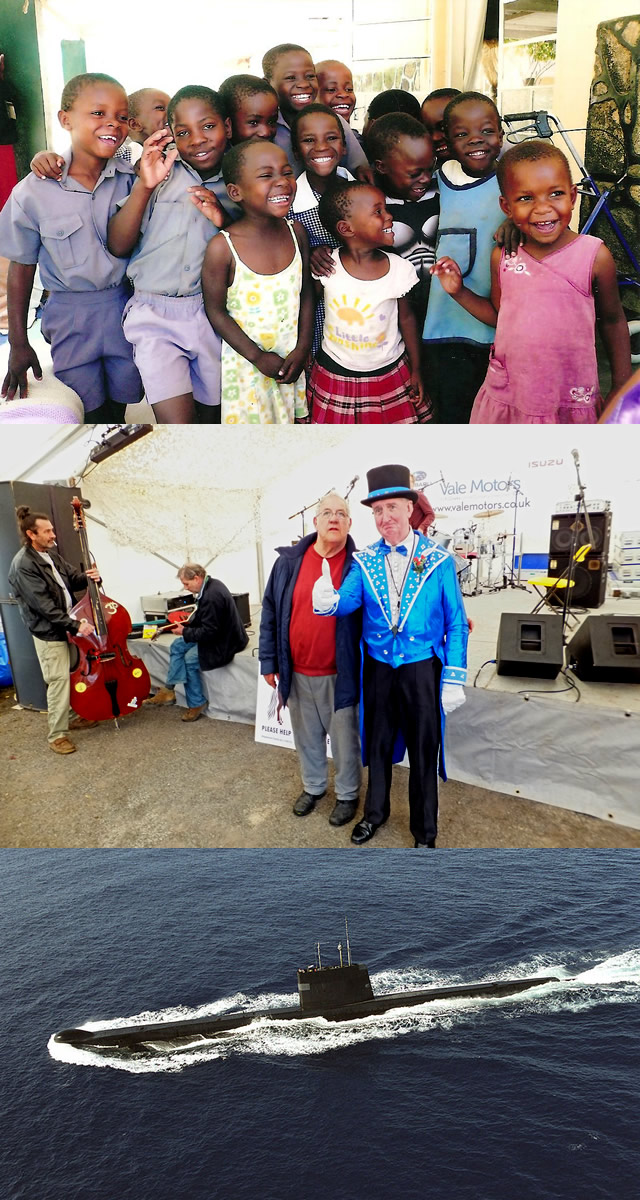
[
  {"x": 61, "y": 227},
  {"x": 176, "y": 349}
]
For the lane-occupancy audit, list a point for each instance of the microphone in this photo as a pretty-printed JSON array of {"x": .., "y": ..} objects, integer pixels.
[
  {"x": 574, "y": 454},
  {"x": 354, "y": 480}
]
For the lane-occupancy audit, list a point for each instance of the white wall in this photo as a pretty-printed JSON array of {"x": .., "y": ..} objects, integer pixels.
[{"x": 170, "y": 43}]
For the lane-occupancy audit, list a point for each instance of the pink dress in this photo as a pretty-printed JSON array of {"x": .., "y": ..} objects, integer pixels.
[{"x": 543, "y": 368}]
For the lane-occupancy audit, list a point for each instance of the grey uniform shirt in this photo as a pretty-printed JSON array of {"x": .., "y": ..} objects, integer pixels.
[
  {"x": 174, "y": 234},
  {"x": 355, "y": 156},
  {"x": 63, "y": 227}
]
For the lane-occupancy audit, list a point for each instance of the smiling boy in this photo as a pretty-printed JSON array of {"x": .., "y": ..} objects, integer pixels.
[
  {"x": 457, "y": 345},
  {"x": 290, "y": 71}
]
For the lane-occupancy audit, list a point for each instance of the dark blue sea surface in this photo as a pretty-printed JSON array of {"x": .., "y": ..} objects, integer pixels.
[{"x": 528, "y": 1098}]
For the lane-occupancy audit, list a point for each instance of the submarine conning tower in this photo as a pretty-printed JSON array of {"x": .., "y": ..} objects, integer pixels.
[{"x": 330, "y": 987}]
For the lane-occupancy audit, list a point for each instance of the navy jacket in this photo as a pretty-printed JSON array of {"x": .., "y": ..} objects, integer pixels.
[
  {"x": 215, "y": 626},
  {"x": 274, "y": 649}
]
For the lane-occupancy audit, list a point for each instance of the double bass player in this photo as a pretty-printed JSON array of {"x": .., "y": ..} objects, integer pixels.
[{"x": 43, "y": 584}]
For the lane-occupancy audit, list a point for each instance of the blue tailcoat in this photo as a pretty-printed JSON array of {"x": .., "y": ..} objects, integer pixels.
[{"x": 431, "y": 620}]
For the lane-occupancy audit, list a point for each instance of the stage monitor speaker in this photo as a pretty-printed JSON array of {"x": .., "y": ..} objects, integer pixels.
[
  {"x": 589, "y": 581},
  {"x": 29, "y": 685},
  {"x": 606, "y": 648},
  {"x": 562, "y": 529},
  {"x": 242, "y": 605},
  {"x": 529, "y": 644}
]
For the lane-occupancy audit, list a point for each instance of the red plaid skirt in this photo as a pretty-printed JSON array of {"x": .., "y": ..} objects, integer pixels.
[{"x": 381, "y": 399}]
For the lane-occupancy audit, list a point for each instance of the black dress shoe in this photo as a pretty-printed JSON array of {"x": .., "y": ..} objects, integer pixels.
[
  {"x": 430, "y": 845},
  {"x": 306, "y": 803},
  {"x": 344, "y": 811},
  {"x": 363, "y": 832}
]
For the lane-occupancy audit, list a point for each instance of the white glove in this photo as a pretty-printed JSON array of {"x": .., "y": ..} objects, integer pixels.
[
  {"x": 452, "y": 697},
  {"x": 324, "y": 596}
]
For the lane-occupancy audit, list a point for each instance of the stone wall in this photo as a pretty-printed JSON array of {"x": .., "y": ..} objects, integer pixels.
[{"x": 613, "y": 138}]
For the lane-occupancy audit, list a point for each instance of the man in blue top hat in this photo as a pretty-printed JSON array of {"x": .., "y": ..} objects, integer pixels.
[{"x": 415, "y": 638}]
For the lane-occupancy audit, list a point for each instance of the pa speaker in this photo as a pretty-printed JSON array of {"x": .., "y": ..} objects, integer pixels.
[
  {"x": 606, "y": 648},
  {"x": 242, "y": 605},
  {"x": 589, "y": 581},
  {"x": 529, "y": 644},
  {"x": 562, "y": 527}
]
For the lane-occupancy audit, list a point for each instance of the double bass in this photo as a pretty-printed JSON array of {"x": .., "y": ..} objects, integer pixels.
[{"x": 107, "y": 681}]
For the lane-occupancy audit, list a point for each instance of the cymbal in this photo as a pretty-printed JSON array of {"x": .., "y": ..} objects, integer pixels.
[{"x": 489, "y": 512}]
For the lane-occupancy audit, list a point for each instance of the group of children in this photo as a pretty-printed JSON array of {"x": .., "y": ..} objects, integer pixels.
[{"x": 257, "y": 266}]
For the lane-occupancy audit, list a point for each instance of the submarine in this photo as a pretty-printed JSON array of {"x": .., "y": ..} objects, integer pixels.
[{"x": 340, "y": 992}]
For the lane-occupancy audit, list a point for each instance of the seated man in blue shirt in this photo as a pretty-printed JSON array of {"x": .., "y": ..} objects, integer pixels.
[{"x": 415, "y": 639}]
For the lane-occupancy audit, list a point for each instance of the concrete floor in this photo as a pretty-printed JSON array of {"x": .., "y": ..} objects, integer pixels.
[{"x": 158, "y": 782}]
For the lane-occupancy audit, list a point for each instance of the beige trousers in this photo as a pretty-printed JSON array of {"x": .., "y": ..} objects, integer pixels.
[{"x": 54, "y": 661}]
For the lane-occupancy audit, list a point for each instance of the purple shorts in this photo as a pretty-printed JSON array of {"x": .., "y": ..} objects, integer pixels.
[
  {"x": 176, "y": 350},
  {"x": 88, "y": 349}
]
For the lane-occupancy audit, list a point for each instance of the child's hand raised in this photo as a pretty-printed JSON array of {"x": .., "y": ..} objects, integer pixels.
[
  {"x": 208, "y": 204},
  {"x": 270, "y": 364},
  {"x": 154, "y": 164},
  {"x": 47, "y": 165},
  {"x": 449, "y": 274},
  {"x": 321, "y": 261}
]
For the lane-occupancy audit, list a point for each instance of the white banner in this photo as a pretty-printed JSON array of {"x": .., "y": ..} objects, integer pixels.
[{"x": 270, "y": 728}]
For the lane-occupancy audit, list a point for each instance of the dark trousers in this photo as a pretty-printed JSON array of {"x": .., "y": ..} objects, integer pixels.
[
  {"x": 454, "y": 372},
  {"x": 405, "y": 699}
]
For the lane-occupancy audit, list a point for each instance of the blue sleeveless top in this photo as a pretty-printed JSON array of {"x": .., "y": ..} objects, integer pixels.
[{"x": 469, "y": 216}]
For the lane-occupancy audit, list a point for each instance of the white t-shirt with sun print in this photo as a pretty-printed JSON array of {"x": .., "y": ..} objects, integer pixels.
[{"x": 361, "y": 315}]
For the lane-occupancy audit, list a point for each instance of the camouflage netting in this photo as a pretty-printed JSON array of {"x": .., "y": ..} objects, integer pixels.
[
  {"x": 190, "y": 497},
  {"x": 613, "y": 138}
]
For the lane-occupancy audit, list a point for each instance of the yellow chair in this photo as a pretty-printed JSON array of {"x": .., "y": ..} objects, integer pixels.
[{"x": 561, "y": 581}]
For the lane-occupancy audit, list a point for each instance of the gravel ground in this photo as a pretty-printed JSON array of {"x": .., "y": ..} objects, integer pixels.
[{"x": 160, "y": 782}]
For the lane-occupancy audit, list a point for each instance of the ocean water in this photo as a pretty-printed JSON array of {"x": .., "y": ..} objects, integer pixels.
[{"x": 531, "y": 1097}]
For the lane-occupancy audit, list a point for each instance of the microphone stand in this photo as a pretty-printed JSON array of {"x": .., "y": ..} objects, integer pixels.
[
  {"x": 511, "y": 580},
  {"x": 351, "y": 486},
  {"x": 305, "y": 508},
  {"x": 581, "y": 505}
]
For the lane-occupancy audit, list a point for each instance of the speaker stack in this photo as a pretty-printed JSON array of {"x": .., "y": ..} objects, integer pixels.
[
  {"x": 590, "y": 575},
  {"x": 242, "y": 605}
]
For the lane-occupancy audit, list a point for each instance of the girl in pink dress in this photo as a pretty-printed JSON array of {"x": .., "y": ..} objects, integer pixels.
[{"x": 544, "y": 302}]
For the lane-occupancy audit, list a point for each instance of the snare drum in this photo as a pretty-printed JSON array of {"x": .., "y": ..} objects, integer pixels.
[
  {"x": 463, "y": 540},
  {"x": 443, "y": 538}
]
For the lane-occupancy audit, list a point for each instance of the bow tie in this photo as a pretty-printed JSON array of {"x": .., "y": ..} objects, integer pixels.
[{"x": 399, "y": 549}]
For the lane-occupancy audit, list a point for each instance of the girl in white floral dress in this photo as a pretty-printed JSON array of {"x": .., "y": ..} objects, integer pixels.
[{"x": 258, "y": 292}]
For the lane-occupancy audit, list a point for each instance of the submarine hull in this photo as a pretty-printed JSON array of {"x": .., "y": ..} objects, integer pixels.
[{"x": 173, "y": 1036}]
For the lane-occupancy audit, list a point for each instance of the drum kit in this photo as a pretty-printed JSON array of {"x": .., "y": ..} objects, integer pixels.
[{"x": 480, "y": 555}]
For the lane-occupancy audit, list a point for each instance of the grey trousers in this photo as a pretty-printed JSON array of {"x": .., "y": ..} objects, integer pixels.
[{"x": 310, "y": 703}]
